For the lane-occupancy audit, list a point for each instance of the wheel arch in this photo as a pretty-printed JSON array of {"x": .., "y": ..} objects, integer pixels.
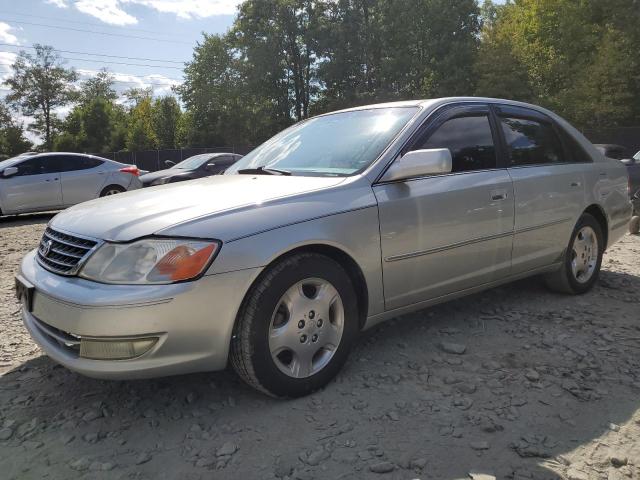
[
  {"x": 112, "y": 185},
  {"x": 599, "y": 214},
  {"x": 345, "y": 260}
]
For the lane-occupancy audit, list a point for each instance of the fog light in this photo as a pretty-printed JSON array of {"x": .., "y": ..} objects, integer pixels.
[{"x": 115, "y": 349}]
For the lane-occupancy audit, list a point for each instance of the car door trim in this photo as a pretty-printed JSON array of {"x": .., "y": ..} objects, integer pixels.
[
  {"x": 543, "y": 225},
  {"x": 405, "y": 256}
]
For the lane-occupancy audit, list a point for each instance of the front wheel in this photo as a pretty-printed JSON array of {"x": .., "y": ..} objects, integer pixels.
[
  {"x": 582, "y": 259},
  {"x": 634, "y": 225},
  {"x": 296, "y": 326}
]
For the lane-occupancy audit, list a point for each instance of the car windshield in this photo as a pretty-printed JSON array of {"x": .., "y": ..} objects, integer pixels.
[
  {"x": 338, "y": 144},
  {"x": 637, "y": 156},
  {"x": 194, "y": 162},
  {"x": 11, "y": 161}
]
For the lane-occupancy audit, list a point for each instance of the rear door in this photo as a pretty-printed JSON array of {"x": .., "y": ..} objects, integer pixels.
[
  {"x": 446, "y": 233},
  {"x": 548, "y": 187},
  {"x": 36, "y": 186},
  {"x": 82, "y": 178}
]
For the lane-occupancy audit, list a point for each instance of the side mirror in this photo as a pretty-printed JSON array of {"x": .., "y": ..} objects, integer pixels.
[
  {"x": 420, "y": 163},
  {"x": 169, "y": 163},
  {"x": 9, "y": 171}
]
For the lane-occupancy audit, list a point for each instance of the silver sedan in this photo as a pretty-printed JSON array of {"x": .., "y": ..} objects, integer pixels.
[
  {"x": 331, "y": 227},
  {"x": 52, "y": 181}
]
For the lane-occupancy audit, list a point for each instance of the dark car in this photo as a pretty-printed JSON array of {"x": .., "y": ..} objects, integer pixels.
[
  {"x": 617, "y": 152},
  {"x": 198, "y": 166},
  {"x": 633, "y": 167}
]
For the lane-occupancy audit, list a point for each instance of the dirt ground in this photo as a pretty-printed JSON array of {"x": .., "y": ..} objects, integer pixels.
[{"x": 548, "y": 387}]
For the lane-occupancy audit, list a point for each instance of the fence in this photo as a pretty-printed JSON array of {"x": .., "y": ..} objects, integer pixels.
[
  {"x": 626, "y": 136},
  {"x": 153, "y": 160}
]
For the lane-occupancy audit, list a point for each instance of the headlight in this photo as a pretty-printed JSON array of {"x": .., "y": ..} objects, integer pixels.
[
  {"x": 150, "y": 261},
  {"x": 161, "y": 181}
]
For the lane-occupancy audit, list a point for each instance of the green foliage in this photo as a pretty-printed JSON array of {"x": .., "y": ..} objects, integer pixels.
[
  {"x": 141, "y": 135},
  {"x": 39, "y": 85},
  {"x": 166, "y": 115},
  {"x": 12, "y": 138},
  {"x": 578, "y": 57}
]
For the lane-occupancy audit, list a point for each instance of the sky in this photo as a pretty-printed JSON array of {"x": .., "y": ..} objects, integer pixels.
[{"x": 142, "y": 42}]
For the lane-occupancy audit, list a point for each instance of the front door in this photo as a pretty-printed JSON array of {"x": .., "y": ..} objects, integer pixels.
[
  {"x": 446, "y": 233},
  {"x": 36, "y": 186}
]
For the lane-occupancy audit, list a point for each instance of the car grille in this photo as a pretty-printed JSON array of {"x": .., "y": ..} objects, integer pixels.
[{"x": 63, "y": 253}]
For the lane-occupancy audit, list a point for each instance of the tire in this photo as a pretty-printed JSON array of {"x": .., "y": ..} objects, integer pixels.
[
  {"x": 273, "y": 344},
  {"x": 587, "y": 255},
  {"x": 111, "y": 190},
  {"x": 634, "y": 225}
]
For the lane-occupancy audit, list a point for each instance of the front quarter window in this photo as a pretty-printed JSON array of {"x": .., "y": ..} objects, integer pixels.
[{"x": 338, "y": 144}]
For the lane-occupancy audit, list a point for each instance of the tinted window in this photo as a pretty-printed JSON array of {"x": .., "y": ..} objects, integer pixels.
[
  {"x": 470, "y": 141},
  {"x": 576, "y": 153},
  {"x": 38, "y": 166},
  {"x": 531, "y": 142},
  {"x": 70, "y": 163}
]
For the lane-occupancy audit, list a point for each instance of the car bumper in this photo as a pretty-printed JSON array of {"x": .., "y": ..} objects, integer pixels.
[{"x": 191, "y": 322}]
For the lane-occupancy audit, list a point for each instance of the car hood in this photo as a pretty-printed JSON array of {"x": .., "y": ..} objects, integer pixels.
[{"x": 223, "y": 207}]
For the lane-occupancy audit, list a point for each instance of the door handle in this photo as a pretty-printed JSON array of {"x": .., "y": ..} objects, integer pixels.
[
  {"x": 576, "y": 184},
  {"x": 495, "y": 196}
]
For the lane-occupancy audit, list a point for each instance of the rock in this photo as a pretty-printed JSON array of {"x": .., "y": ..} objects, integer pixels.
[
  {"x": 81, "y": 464},
  {"x": 206, "y": 462},
  {"x": 317, "y": 456},
  {"x": 481, "y": 476},
  {"x": 532, "y": 375},
  {"x": 92, "y": 414},
  {"x": 453, "y": 348},
  {"x": 6, "y": 433},
  {"x": 573, "y": 474},
  {"x": 228, "y": 448},
  {"x": 618, "y": 461},
  {"x": 144, "y": 457},
  {"x": 480, "y": 445},
  {"x": 382, "y": 467},
  {"x": 418, "y": 463}
]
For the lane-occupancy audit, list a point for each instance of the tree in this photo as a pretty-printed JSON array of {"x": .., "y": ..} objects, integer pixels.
[
  {"x": 578, "y": 58},
  {"x": 40, "y": 84},
  {"x": 141, "y": 135},
  {"x": 98, "y": 86},
  {"x": 166, "y": 115},
  {"x": 12, "y": 138}
]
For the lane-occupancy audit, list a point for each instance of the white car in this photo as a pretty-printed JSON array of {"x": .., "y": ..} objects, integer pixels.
[{"x": 52, "y": 181}]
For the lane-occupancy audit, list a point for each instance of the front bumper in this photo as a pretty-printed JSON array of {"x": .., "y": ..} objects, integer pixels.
[{"x": 192, "y": 321}]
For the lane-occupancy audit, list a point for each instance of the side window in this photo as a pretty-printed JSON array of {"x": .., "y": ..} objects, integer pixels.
[
  {"x": 30, "y": 167},
  {"x": 468, "y": 138},
  {"x": 531, "y": 142},
  {"x": 70, "y": 163},
  {"x": 576, "y": 153}
]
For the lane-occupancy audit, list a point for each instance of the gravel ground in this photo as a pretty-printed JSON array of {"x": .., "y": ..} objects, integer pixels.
[{"x": 514, "y": 383}]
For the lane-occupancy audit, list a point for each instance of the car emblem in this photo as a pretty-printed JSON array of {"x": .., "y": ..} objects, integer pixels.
[{"x": 46, "y": 247}]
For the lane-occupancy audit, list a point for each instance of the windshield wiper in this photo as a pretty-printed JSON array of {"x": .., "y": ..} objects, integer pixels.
[{"x": 263, "y": 171}]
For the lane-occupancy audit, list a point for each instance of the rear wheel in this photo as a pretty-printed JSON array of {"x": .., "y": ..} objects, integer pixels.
[
  {"x": 583, "y": 258},
  {"x": 296, "y": 326},
  {"x": 111, "y": 190}
]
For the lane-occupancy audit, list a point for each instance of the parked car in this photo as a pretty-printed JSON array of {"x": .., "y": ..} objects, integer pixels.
[
  {"x": 198, "y": 166},
  {"x": 52, "y": 181},
  {"x": 332, "y": 226},
  {"x": 633, "y": 167},
  {"x": 617, "y": 152}
]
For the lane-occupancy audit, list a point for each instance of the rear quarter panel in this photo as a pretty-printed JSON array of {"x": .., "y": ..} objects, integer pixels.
[{"x": 607, "y": 185}]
